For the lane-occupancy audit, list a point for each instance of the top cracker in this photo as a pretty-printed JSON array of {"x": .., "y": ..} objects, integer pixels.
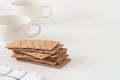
[{"x": 33, "y": 44}]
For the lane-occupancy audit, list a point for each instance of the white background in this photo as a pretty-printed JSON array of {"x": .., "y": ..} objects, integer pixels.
[{"x": 90, "y": 29}]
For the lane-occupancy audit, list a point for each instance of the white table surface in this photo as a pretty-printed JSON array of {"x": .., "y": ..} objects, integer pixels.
[{"x": 90, "y": 29}]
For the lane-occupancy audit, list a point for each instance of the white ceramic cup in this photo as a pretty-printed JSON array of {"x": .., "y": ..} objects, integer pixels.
[
  {"x": 14, "y": 27},
  {"x": 31, "y": 8}
]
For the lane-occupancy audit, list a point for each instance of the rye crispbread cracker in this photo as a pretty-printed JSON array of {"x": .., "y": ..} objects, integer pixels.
[
  {"x": 64, "y": 58},
  {"x": 24, "y": 56},
  {"x": 44, "y": 52},
  {"x": 57, "y": 59},
  {"x": 34, "y": 54},
  {"x": 58, "y": 66},
  {"x": 46, "y": 45},
  {"x": 40, "y": 61},
  {"x": 58, "y": 54},
  {"x": 41, "y": 51},
  {"x": 44, "y": 61}
]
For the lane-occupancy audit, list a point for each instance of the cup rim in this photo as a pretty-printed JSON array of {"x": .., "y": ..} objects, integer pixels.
[
  {"x": 26, "y": 19},
  {"x": 14, "y": 3}
]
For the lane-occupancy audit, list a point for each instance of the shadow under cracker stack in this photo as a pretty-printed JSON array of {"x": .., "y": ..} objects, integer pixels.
[{"x": 43, "y": 52}]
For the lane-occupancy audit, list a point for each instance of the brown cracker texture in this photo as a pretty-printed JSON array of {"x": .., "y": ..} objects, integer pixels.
[
  {"x": 33, "y": 44},
  {"x": 58, "y": 66}
]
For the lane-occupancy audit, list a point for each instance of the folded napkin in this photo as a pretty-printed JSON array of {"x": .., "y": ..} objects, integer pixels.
[{"x": 9, "y": 73}]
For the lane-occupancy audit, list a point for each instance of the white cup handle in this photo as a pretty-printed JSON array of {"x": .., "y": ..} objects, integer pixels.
[
  {"x": 49, "y": 14},
  {"x": 35, "y": 34}
]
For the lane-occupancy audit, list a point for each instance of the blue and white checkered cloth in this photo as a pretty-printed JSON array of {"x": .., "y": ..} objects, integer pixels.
[{"x": 8, "y": 73}]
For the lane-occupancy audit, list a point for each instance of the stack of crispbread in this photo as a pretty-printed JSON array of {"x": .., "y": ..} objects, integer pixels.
[{"x": 43, "y": 52}]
